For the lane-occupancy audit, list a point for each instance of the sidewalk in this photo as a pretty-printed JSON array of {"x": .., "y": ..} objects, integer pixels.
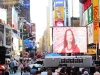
[{"x": 18, "y": 73}]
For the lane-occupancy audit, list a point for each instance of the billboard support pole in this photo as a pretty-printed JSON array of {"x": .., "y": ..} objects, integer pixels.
[{"x": 96, "y": 51}]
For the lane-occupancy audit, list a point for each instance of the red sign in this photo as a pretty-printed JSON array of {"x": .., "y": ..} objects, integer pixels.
[
  {"x": 59, "y": 23},
  {"x": 87, "y": 4},
  {"x": 95, "y": 16}
]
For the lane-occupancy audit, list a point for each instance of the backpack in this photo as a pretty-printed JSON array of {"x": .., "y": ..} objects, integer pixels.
[{"x": 11, "y": 64}]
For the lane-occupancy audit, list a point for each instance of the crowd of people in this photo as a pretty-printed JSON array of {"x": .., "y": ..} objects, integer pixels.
[{"x": 22, "y": 65}]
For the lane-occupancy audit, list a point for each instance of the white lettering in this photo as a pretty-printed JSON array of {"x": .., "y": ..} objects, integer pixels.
[{"x": 59, "y": 2}]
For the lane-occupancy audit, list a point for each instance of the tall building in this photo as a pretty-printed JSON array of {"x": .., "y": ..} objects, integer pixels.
[
  {"x": 89, "y": 17},
  {"x": 17, "y": 10},
  {"x": 7, "y": 4},
  {"x": 73, "y": 12},
  {"x": 81, "y": 14}
]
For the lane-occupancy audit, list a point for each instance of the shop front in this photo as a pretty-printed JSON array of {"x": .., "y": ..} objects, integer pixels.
[{"x": 15, "y": 43}]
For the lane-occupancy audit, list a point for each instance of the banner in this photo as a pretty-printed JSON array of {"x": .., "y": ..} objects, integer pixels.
[
  {"x": 59, "y": 3},
  {"x": 90, "y": 14},
  {"x": 87, "y": 4},
  {"x": 95, "y": 18},
  {"x": 69, "y": 39},
  {"x": 59, "y": 16},
  {"x": 33, "y": 30},
  {"x": 91, "y": 51},
  {"x": 15, "y": 43},
  {"x": 14, "y": 18},
  {"x": 3, "y": 15},
  {"x": 1, "y": 34},
  {"x": 90, "y": 34},
  {"x": 28, "y": 27},
  {"x": 26, "y": 4},
  {"x": 8, "y": 36},
  {"x": 85, "y": 18}
]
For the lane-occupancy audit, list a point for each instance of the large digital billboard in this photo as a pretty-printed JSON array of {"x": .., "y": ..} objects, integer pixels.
[{"x": 69, "y": 39}]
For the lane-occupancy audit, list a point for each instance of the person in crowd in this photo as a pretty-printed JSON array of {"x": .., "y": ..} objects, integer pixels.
[
  {"x": 6, "y": 68},
  {"x": 26, "y": 63},
  {"x": 44, "y": 72},
  {"x": 33, "y": 70},
  {"x": 63, "y": 70},
  {"x": 15, "y": 65},
  {"x": 97, "y": 69},
  {"x": 57, "y": 69},
  {"x": 96, "y": 73},
  {"x": 21, "y": 66},
  {"x": 49, "y": 72},
  {"x": 41, "y": 69},
  {"x": 11, "y": 65},
  {"x": 79, "y": 73},
  {"x": 85, "y": 73},
  {"x": 53, "y": 72},
  {"x": 83, "y": 70},
  {"x": 70, "y": 45},
  {"x": 26, "y": 72}
]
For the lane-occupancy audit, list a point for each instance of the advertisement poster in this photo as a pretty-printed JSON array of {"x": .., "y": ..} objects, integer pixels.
[
  {"x": 59, "y": 13},
  {"x": 85, "y": 18},
  {"x": 1, "y": 34},
  {"x": 28, "y": 28},
  {"x": 14, "y": 18},
  {"x": 90, "y": 34},
  {"x": 59, "y": 16},
  {"x": 95, "y": 18},
  {"x": 33, "y": 30},
  {"x": 3, "y": 15},
  {"x": 90, "y": 14},
  {"x": 69, "y": 39},
  {"x": 15, "y": 41},
  {"x": 8, "y": 37}
]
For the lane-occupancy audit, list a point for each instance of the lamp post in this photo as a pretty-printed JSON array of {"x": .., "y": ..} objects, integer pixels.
[{"x": 22, "y": 20}]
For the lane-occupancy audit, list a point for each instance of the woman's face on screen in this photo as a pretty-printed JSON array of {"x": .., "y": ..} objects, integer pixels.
[{"x": 69, "y": 37}]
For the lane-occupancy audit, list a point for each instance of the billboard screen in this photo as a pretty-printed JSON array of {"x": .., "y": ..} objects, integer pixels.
[{"x": 69, "y": 39}]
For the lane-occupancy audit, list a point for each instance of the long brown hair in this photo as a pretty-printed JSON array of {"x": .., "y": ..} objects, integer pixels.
[
  {"x": 65, "y": 41},
  {"x": 49, "y": 72}
]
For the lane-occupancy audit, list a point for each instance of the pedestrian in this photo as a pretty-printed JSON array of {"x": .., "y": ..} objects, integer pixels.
[
  {"x": 11, "y": 65},
  {"x": 26, "y": 72},
  {"x": 6, "y": 68},
  {"x": 21, "y": 67},
  {"x": 15, "y": 65}
]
